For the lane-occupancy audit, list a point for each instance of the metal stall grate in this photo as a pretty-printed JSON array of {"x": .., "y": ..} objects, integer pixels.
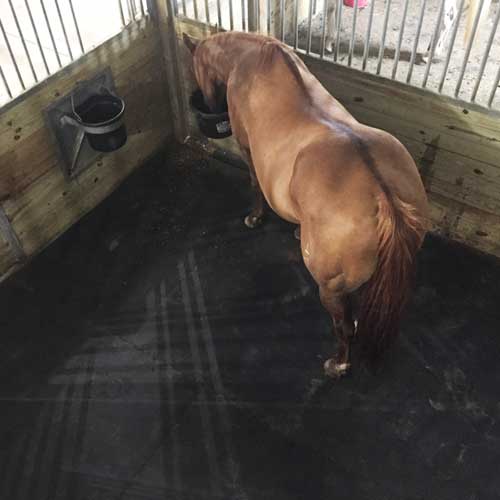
[
  {"x": 39, "y": 37},
  {"x": 450, "y": 47}
]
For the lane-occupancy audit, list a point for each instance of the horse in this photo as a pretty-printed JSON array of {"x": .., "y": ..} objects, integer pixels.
[{"x": 353, "y": 191}]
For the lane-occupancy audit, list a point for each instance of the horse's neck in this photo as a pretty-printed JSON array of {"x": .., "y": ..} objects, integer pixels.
[{"x": 227, "y": 50}]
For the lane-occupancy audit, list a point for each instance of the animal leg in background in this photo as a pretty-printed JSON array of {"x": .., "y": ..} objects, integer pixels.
[
  {"x": 450, "y": 17},
  {"x": 338, "y": 304},
  {"x": 331, "y": 21},
  {"x": 256, "y": 216}
]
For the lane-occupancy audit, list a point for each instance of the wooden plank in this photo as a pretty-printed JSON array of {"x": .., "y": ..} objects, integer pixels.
[
  {"x": 26, "y": 147},
  {"x": 167, "y": 27},
  {"x": 52, "y": 205},
  {"x": 48, "y": 204},
  {"x": 475, "y": 132}
]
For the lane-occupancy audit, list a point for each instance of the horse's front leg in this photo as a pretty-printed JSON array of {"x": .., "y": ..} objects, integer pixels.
[
  {"x": 256, "y": 216},
  {"x": 340, "y": 309}
]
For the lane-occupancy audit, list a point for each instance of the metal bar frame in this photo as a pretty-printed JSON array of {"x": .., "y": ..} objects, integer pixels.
[
  {"x": 323, "y": 29},
  {"x": 451, "y": 46},
  {"x": 417, "y": 39},
  {"x": 68, "y": 45},
  {"x": 353, "y": 33},
  {"x": 368, "y": 35},
  {"x": 486, "y": 55},
  {"x": 76, "y": 26},
  {"x": 35, "y": 31},
  {"x": 122, "y": 15},
  {"x": 309, "y": 26},
  {"x": 384, "y": 34},
  {"x": 5, "y": 83},
  {"x": 494, "y": 88},
  {"x": 49, "y": 27},
  {"x": 469, "y": 48},
  {"x": 434, "y": 37},
  {"x": 11, "y": 54},
  {"x": 400, "y": 40},
  {"x": 21, "y": 35},
  {"x": 339, "y": 24}
]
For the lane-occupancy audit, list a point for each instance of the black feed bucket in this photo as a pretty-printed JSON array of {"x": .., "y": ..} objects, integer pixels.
[
  {"x": 213, "y": 125},
  {"x": 101, "y": 118}
]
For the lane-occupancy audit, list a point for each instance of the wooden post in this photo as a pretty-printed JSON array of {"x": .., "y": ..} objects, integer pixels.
[{"x": 163, "y": 12}]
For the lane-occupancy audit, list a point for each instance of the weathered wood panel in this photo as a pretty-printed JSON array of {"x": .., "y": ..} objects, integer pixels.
[
  {"x": 26, "y": 147},
  {"x": 455, "y": 145},
  {"x": 39, "y": 202}
]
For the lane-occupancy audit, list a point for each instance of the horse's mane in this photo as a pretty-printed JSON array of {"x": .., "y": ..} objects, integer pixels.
[{"x": 271, "y": 50}]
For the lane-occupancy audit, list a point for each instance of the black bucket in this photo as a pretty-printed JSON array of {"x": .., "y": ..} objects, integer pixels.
[
  {"x": 101, "y": 117},
  {"x": 213, "y": 125}
]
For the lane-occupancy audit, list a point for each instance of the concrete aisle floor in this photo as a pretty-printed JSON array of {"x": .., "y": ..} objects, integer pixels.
[{"x": 161, "y": 350}]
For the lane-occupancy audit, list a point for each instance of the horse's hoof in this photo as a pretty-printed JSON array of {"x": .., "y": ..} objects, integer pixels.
[
  {"x": 252, "y": 221},
  {"x": 296, "y": 233},
  {"x": 336, "y": 370}
]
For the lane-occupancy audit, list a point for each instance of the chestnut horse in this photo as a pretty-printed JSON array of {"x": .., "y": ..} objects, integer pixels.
[{"x": 354, "y": 190}]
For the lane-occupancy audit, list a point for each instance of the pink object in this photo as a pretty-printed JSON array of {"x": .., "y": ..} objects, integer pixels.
[{"x": 361, "y": 3}]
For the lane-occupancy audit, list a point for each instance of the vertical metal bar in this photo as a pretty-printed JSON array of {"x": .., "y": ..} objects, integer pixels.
[
  {"x": 368, "y": 35},
  {"x": 243, "y": 19},
  {"x": 384, "y": 33},
  {"x": 253, "y": 15},
  {"x": 451, "y": 45},
  {"x": 469, "y": 47},
  {"x": 400, "y": 40},
  {"x": 49, "y": 27},
  {"x": 121, "y": 12},
  {"x": 415, "y": 44},
  {"x": 309, "y": 27},
  {"x": 129, "y": 10},
  {"x": 134, "y": 10},
  {"x": 76, "y": 25},
  {"x": 231, "y": 20},
  {"x": 21, "y": 35},
  {"x": 11, "y": 54},
  {"x": 486, "y": 54},
  {"x": 494, "y": 89},
  {"x": 268, "y": 7},
  {"x": 63, "y": 29},
  {"x": 282, "y": 20},
  {"x": 207, "y": 12},
  {"x": 143, "y": 12},
  {"x": 6, "y": 85},
  {"x": 433, "y": 44},
  {"x": 219, "y": 12},
  {"x": 35, "y": 31},
  {"x": 295, "y": 24},
  {"x": 323, "y": 29},
  {"x": 353, "y": 32},
  {"x": 339, "y": 25}
]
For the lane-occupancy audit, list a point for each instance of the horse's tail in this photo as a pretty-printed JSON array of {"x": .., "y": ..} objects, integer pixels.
[{"x": 400, "y": 231}]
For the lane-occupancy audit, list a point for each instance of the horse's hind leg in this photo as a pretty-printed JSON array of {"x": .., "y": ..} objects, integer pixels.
[
  {"x": 340, "y": 308},
  {"x": 256, "y": 216}
]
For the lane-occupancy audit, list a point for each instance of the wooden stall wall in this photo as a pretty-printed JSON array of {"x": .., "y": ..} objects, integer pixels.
[
  {"x": 455, "y": 145},
  {"x": 36, "y": 198}
]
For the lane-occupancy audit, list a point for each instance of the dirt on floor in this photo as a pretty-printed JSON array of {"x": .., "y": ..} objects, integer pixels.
[{"x": 160, "y": 349}]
